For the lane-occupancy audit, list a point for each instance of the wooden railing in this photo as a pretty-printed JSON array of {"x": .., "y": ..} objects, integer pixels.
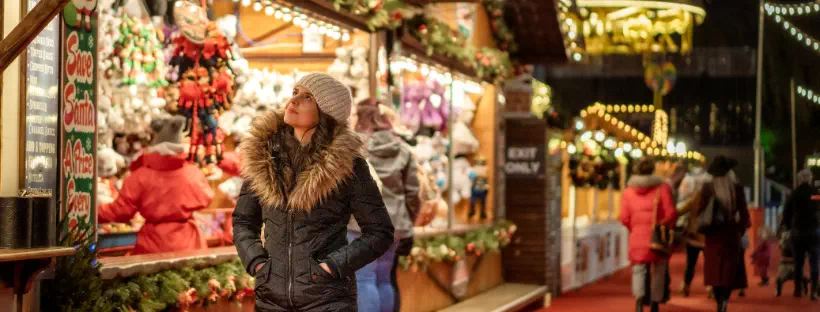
[{"x": 32, "y": 24}]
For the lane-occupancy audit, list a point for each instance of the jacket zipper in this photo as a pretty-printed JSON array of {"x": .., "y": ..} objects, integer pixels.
[{"x": 290, "y": 260}]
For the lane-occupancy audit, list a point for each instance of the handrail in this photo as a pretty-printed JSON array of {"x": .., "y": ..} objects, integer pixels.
[{"x": 29, "y": 27}]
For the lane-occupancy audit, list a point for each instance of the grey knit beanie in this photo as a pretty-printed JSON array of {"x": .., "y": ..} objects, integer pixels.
[{"x": 331, "y": 95}]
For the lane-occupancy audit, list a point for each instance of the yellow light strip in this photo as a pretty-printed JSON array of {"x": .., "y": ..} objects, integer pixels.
[{"x": 642, "y": 4}]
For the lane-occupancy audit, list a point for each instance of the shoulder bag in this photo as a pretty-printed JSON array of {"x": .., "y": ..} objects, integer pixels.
[{"x": 663, "y": 237}]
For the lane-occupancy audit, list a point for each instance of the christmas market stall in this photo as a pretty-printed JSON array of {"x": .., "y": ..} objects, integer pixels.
[{"x": 597, "y": 154}]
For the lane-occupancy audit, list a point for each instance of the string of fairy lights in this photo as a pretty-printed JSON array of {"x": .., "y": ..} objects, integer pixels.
[
  {"x": 779, "y": 13},
  {"x": 809, "y": 94}
]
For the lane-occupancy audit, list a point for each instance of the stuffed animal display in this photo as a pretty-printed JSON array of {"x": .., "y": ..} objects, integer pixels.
[
  {"x": 351, "y": 68},
  {"x": 132, "y": 76},
  {"x": 424, "y": 104}
]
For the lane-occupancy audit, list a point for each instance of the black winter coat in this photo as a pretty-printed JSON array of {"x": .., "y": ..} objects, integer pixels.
[
  {"x": 801, "y": 214},
  {"x": 307, "y": 225}
]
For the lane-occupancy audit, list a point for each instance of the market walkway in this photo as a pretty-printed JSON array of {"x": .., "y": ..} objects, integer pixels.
[{"x": 614, "y": 294}]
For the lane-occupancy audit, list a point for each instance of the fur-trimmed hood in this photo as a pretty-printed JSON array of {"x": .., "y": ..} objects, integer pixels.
[
  {"x": 644, "y": 183},
  {"x": 329, "y": 169}
]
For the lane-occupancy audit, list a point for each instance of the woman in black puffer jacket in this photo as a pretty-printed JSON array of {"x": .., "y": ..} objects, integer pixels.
[{"x": 304, "y": 177}]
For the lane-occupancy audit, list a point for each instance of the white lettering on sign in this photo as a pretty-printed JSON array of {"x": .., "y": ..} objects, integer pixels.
[
  {"x": 522, "y": 167},
  {"x": 519, "y": 153}
]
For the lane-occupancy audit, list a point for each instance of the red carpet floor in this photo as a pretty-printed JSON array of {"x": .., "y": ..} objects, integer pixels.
[{"x": 614, "y": 293}]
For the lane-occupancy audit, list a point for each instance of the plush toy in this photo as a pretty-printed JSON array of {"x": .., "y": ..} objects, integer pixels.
[
  {"x": 461, "y": 180},
  {"x": 109, "y": 163},
  {"x": 480, "y": 188}
]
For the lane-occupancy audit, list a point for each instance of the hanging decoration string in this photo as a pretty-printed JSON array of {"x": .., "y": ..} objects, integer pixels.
[
  {"x": 798, "y": 34},
  {"x": 809, "y": 94},
  {"x": 793, "y": 9}
]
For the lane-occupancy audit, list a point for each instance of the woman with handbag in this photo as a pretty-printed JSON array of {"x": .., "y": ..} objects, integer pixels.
[
  {"x": 723, "y": 217},
  {"x": 395, "y": 166},
  {"x": 647, "y": 210}
]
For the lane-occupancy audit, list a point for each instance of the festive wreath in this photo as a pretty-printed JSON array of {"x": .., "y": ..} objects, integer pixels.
[{"x": 501, "y": 32}]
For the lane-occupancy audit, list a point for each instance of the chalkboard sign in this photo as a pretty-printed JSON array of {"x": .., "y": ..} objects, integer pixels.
[
  {"x": 525, "y": 161},
  {"x": 42, "y": 96}
]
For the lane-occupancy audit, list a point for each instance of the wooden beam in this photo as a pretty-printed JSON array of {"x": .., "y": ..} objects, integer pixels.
[
  {"x": 326, "y": 9},
  {"x": 272, "y": 32},
  {"x": 29, "y": 27},
  {"x": 290, "y": 57}
]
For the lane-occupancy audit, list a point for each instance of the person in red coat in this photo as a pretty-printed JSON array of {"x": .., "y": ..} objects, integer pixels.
[
  {"x": 165, "y": 190},
  {"x": 724, "y": 265},
  {"x": 647, "y": 201}
]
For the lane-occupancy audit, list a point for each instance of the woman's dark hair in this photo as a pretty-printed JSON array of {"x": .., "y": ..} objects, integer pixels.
[
  {"x": 645, "y": 166},
  {"x": 300, "y": 156},
  {"x": 370, "y": 118}
]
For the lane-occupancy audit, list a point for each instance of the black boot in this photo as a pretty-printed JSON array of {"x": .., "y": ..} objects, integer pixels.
[
  {"x": 799, "y": 288},
  {"x": 654, "y": 307},
  {"x": 814, "y": 288},
  {"x": 639, "y": 305},
  {"x": 778, "y": 288},
  {"x": 723, "y": 305},
  {"x": 685, "y": 290}
]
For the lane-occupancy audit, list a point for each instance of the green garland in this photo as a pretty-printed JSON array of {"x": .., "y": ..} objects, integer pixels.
[
  {"x": 501, "y": 32},
  {"x": 380, "y": 14},
  {"x": 450, "y": 248},
  {"x": 490, "y": 64},
  {"x": 78, "y": 286}
]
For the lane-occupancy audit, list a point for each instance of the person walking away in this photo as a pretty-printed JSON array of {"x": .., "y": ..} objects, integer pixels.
[
  {"x": 802, "y": 218},
  {"x": 395, "y": 166},
  {"x": 305, "y": 176},
  {"x": 688, "y": 198},
  {"x": 647, "y": 201},
  {"x": 724, "y": 267},
  {"x": 785, "y": 269}
]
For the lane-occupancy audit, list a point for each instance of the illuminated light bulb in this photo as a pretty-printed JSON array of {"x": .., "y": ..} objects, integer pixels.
[
  {"x": 817, "y": 7},
  {"x": 577, "y": 56},
  {"x": 800, "y": 11},
  {"x": 579, "y": 125},
  {"x": 670, "y": 147},
  {"x": 609, "y": 108},
  {"x": 620, "y": 125},
  {"x": 600, "y": 136},
  {"x": 808, "y": 42},
  {"x": 619, "y": 153},
  {"x": 346, "y": 36},
  {"x": 636, "y": 153},
  {"x": 777, "y": 18},
  {"x": 179, "y": 3},
  {"x": 269, "y": 11},
  {"x": 623, "y": 108},
  {"x": 586, "y": 136},
  {"x": 614, "y": 121},
  {"x": 277, "y": 14},
  {"x": 617, "y": 109},
  {"x": 786, "y": 25},
  {"x": 634, "y": 132},
  {"x": 643, "y": 145},
  {"x": 816, "y": 46},
  {"x": 583, "y": 113},
  {"x": 627, "y": 147},
  {"x": 287, "y": 17},
  {"x": 609, "y": 143},
  {"x": 607, "y": 117},
  {"x": 572, "y": 149},
  {"x": 313, "y": 26},
  {"x": 664, "y": 153},
  {"x": 192, "y": 9},
  {"x": 800, "y": 36},
  {"x": 680, "y": 148},
  {"x": 322, "y": 30},
  {"x": 777, "y": 10},
  {"x": 791, "y": 11},
  {"x": 631, "y": 108},
  {"x": 257, "y": 6},
  {"x": 794, "y": 31},
  {"x": 287, "y": 10},
  {"x": 627, "y": 128},
  {"x": 246, "y": 3}
]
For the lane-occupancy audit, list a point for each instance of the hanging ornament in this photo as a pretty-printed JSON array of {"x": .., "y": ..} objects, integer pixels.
[{"x": 660, "y": 78}]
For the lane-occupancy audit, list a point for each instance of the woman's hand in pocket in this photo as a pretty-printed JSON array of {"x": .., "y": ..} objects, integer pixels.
[{"x": 325, "y": 267}]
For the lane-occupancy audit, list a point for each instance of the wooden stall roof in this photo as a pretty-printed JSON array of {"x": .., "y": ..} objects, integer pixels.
[
  {"x": 425, "y": 2},
  {"x": 536, "y": 30}
]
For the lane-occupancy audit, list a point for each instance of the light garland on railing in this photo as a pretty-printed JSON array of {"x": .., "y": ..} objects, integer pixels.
[
  {"x": 437, "y": 72},
  {"x": 809, "y": 94},
  {"x": 298, "y": 17},
  {"x": 793, "y": 9}
]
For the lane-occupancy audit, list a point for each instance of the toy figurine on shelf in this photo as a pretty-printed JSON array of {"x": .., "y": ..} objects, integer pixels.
[{"x": 480, "y": 188}]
